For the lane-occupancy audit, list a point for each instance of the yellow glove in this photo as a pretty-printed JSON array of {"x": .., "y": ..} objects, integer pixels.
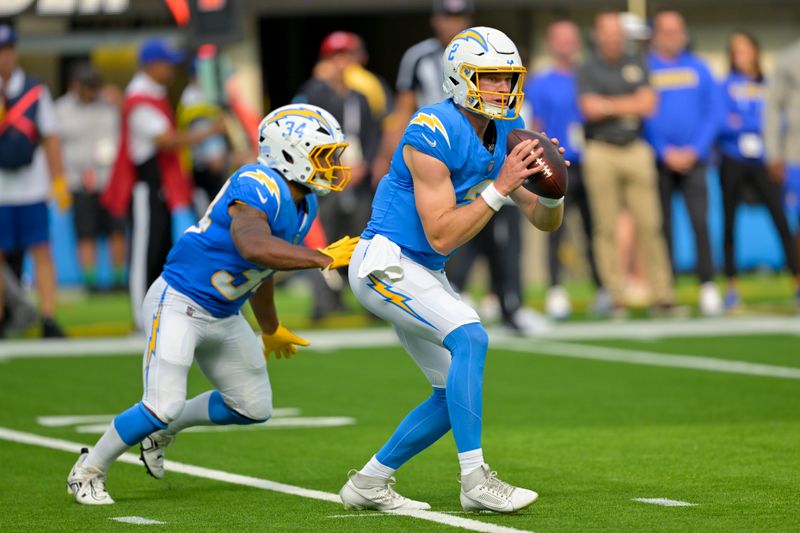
[
  {"x": 340, "y": 251},
  {"x": 283, "y": 342},
  {"x": 61, "y": 194}
]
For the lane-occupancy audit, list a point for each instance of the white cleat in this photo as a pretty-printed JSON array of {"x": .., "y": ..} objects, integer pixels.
[
  {"x": 710, "y": 300},
  {"x": 87, "y": 484},
  {"x": 557, "y": 304},
  {"x": 365, "y": 492},
  {"x": 151, "y": 452},
  {"x": 481, "y": 490}
]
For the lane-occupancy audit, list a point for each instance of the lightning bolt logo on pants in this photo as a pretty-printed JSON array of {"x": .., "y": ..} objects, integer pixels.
[{"x": 395, "y": 298}]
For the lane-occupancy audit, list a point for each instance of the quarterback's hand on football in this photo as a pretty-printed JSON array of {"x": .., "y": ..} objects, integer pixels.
[
  {"x": 61, "y": 194},
  {"x": 518, "y": 166},
  {"x": 560, "y": 148},
  {"x": 340, "y": 252},
  {"x": 283, "y": 342}
]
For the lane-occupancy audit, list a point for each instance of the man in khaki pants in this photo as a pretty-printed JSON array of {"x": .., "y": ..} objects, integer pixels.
[{"x": 614, "y": 97}]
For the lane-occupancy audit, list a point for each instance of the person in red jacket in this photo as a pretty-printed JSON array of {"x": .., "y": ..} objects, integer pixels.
[{"x": 147, "y": 180}]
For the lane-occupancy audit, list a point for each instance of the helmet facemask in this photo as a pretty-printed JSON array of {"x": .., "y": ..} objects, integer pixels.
[
  {"x": 328, "y": 174},
  {"x": 510, "y": 103}
]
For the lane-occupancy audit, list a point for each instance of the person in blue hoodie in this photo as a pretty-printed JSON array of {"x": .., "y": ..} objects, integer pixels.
[
  {"x": 553, "y": 96},
  {"x": 682, "y": 132},
  {"x": 741, "y": 144}
]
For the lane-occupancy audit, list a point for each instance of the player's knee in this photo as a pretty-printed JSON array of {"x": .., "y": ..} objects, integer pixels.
[
  {"x": 469, "y": 335},
  {"x": 252, "y": 410},
  {"x": 258, "y": 410},
  {"x": 170, "y": 410}
]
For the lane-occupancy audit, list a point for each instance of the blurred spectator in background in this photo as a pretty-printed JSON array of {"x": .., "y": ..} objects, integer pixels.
[
  {"x": 346, "y": 213},
  {"x": 88, "y": 128},
  {"x": 420, "y": 76},
  {"x": 29, "y": 148},
  {"x": 147, "y": 172},
  {"x": 682, "y": 132},
  {"x": 618, "y": 165},
  {"x": 553, "y": 96},
  {"x": 782, "y": 129},
  {"x": 208, "y": 158},
  {"x": 742, "y": 147},
  {"x": 358, "y": 78}
]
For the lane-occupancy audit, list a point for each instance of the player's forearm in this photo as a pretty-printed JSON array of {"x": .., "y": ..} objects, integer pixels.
[
  {"x": 458, "y": 225},
  {"x": 277, "y": 254},
  {"x": 546, "y": 218},
  {"x": 263, "y": 304}
]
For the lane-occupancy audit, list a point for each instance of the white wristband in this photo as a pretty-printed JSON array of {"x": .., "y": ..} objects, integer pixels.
[
  {"x": 493, "y": 199},
  {"x": 549, "y": 202}
]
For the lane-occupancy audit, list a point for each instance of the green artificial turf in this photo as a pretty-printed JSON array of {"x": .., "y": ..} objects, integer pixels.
[{"x": 587, "y": 435}]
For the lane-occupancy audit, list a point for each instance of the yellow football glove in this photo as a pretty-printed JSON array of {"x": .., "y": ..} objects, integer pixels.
[
  {"x": 283, "y": 342},
  {"x": 61, "y": 194},
  {"x": 340, "y": 251}
]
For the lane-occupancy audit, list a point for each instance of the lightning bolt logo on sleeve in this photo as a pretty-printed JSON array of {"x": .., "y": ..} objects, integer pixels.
[
  {"x": 395, "y": 298},
  {"x": 261, "y": 177},
  {"x": 432, "y": 122}
]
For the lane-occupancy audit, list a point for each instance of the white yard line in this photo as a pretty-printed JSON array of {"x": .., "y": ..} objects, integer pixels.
[
  {"x": 55, "y": 421},
  {"x": 664, "y": 502},
  {"x": 546, "y": 344},
  {"x": 372, "y": 338},
  {"x": 640, "y": 357},
  {"x": 137, "y": 520},
  {"x": 249, "y": 481}
]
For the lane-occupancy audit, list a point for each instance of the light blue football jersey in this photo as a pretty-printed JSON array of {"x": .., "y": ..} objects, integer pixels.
[
  {"x": 443, "y": 132},
  {"x": 205, "y": 265}
]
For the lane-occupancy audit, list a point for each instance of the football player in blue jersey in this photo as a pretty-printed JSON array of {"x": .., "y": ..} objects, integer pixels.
[
  {"x": 448, "y": 176},
  {"x": 251, "y": 230}
]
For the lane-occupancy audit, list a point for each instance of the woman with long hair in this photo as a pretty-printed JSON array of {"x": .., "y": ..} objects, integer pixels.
[{"x": 742, "y": 149}]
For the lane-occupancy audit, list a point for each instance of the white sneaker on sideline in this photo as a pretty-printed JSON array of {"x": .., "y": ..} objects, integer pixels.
[
  {"x": 603, "y": 304},
  {"x": 557, "y": 303},
  {"x": 481, "y": 490},
  {"x": 151, "y": 452},
  {"x": 710, "y": 300},
  {"x": 366, "y": 492},
  {"x": 87, "y": 485},
  {"x": 489, "y": 308},
  {"x": 528, "y": 321}
]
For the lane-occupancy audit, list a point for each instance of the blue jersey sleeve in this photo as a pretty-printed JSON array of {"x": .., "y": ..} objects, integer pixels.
[
  {"x": 427, "y": 133},
  {"x": 253, "y": 185}
]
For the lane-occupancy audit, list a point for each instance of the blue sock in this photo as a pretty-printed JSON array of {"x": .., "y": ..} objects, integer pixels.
[
  {"x": 221, "y": 414},
  {"x": 136, "y": 423},
  {"x": 467, "y": 345},
  {"x": 419, "y": 429}
]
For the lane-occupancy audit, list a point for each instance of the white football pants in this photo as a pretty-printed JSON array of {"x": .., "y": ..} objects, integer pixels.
[
  {"x": 417, "y": 301},
  {"x": 227, "y": 351}
]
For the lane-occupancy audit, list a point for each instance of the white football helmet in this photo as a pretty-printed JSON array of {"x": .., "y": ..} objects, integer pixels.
[
  {"x": 305, "y": 144},
  {"x": 481, "y": 51}
]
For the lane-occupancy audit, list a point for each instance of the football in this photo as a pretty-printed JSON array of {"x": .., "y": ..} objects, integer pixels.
[{"x": 551, "y": 181}]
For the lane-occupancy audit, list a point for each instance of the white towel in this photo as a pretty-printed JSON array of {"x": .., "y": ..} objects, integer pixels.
[{"x": 383, "y": 257}]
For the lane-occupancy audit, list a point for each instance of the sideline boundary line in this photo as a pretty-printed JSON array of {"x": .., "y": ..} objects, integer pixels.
[
  {"x": 324, "y": 341},
  {"x": 32, "y": 439},
  {"x": 667, "y": 360}
]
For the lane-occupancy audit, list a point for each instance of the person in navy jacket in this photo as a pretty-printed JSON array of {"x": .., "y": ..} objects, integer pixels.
[
  {"x": 741, "y": 145},
  {"x": 682, "y": 132}
]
